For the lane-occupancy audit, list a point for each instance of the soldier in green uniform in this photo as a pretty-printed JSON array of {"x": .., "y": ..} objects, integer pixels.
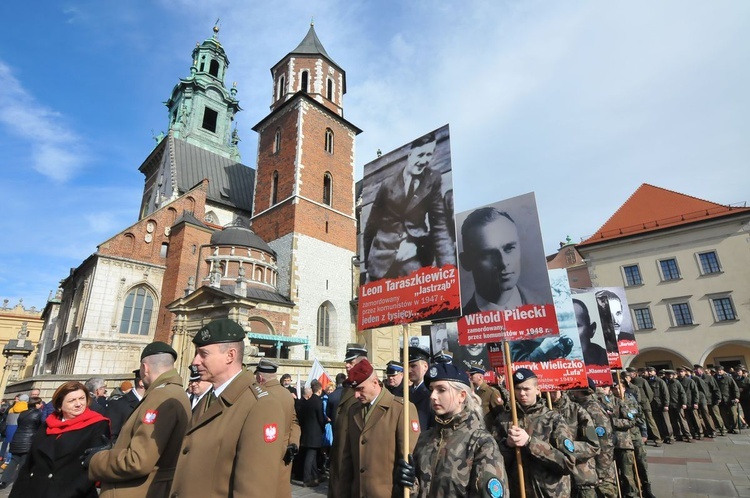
[
  {"x": 646, "y": 397},
  {"x": 660, "y": 404},
  {"x": 704, "y": 398},
  {"x": 730, "y": 397},
  {"x": 714, "y": 400},
  {"x": 622, "y": 421},
  {"x": 677, "y": 405},
  {"x": 586, "y": 442},
  {"x": 545, "y": 441},
  {"x": 337, "y": 489},
  {"x": 492, "y": 400},
  {"x": 457, "y": 457},
  {"x": 692, "y": 395},
  {"x": 638, "y": 434}
]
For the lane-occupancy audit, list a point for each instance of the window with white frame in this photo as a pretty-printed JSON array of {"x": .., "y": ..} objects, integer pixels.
[
  {"x": 632, "y": 275},
  {"x": 723, "y": 309},
  {"x": 137, "y": 311},
  {"x": 643, "y": 318},
  {"x": 668, "y": 269},
  {"x": 681, "y": 314},
  {"x": 709, "y": 262}
]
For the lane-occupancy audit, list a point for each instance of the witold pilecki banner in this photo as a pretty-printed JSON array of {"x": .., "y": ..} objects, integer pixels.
[
  {"x": 408, "y": 247},
  {"x": 556, "y": 361},
  {"x": 505, "y": 290}
]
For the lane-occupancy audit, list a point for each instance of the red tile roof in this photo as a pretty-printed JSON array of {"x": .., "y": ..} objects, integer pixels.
[{"x": 653, "y": 208}]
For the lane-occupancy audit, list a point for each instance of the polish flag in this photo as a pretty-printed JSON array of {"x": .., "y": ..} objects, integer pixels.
[{"x": 318, "y": 373}]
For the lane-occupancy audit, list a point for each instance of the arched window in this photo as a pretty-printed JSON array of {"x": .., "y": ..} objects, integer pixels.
[
  {"x": 275, "y": 188},
  {"x": 329, "y": 90},
  {"x": 303, "y": 79},
  {"x": 213, "y": 68},
  {"x": 277, "y": 141},
  {"x": 329, "y": 141},
  {"x": 327, "y": 188},
  {"x": 137, "y": 311},
  {"x": 282, "y": 87},
  {"x": 324, "y": 325}
]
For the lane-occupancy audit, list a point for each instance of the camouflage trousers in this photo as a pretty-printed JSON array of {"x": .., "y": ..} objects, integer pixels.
[
  {"x": 641, "y": 463},
  {"x": 626, "y": 468},
  {"x": 606, "y": 489},
  {"x": 589, "y": 492}
]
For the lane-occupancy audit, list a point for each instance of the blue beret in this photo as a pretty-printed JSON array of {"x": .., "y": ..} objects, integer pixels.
[
  {"x": 218, "y": 331},
  {"x": 446, "y": 371},
  {"x": 522, "y": 375}
]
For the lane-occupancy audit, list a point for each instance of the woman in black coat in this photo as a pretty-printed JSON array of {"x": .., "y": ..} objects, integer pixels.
[
  {"x": 28, "y": 424},
  {"x": 53, "y": 466}
]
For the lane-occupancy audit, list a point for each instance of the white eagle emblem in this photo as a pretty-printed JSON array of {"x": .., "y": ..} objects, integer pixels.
[
  {"x": 205, "y": 334},
  {"x": 270, "y": 432},
  {"x": 149, "y": 417},
  {"x": 433, "y": 372}
]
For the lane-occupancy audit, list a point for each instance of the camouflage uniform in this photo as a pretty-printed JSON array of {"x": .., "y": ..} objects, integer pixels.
[
  {"x": 645, "y": 397},
  {"x": 729, "y": 393},
  {"x": 714, "y": 401},
  {"x": 678, "y": 399},
  {"x": 548, "y": 457},
  {"x": 605, "y": 460},
  {"x": 692, "y": 396},
  {"x": 704, "y": 395},
  {"x": 586, "y": 443},
  {"x": 637, "y": 434},
  {"x": 622, "y": 421},
  {"x": 659, "y": 406},
  {"x": 459, "y": 458},
  {"x": 492, "y": 403}
]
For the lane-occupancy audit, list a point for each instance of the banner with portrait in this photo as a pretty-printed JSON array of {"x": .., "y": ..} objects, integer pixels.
[
  {"x": 557, "y": 361},
  {"x": 621, "y": 319},
  {"x": 596, "y": 333},
  {"x": 505, "y": 289},
  {"x": 408, "y": 261}
]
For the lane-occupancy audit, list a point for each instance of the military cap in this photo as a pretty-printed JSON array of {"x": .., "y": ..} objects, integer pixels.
[
  {"x": 158, "y": 347},
  {"x": 359, "y": 373},
  {"x": 446, "y": 371},
  {"x": 686, "y": 368},
  {"x": 522, "y": 375},
  {"x": 741, "y": 367},
  {"x": 194, "y": 375},
  {"x": 137, "y": 373},
  {"x": 651, "y": 369},
  {"x": 696, "y": 366},
  {"x": 394, "y": 367},
  {"x": 219, "y": 331},
  {"x": 354, "y": 350},
  {"x": 417, "y": 354},
  {"x": 719, "y": 367},
  {"x": 442, "y": 357},
  {"x": 266, "y": 366},
  {"x": 631, "y": 369},
  {"x": 668, "y": 371},
  {"x": 476, "y": 370},
  {"x": 641, "y": 369}
]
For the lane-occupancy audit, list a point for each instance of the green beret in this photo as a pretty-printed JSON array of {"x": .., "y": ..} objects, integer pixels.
[
  {"x": 218, "y": 331},
  {"x": 157, "y": 348}
]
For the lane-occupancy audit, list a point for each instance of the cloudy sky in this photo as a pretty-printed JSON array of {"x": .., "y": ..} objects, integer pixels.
[{"x": 580, "y": 102}]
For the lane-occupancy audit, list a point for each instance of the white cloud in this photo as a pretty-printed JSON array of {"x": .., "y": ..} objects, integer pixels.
[{"x": 55, "y": 150}]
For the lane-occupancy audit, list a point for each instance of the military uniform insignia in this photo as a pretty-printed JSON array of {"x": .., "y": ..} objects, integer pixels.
[
  {"x": 270, "y": 433},
  {"x": 149, "y": 417},
  {"x": 600, "y": 431},
  {"x": 433, "y": 372},
  {"x": 519, "y": 376},
  {"x": 569, "y": 445},
  {"x": 495, "y": 488},
  {"x": 205, "y": 334},
  {"x": 630, "y": 415},
  {"x": 415, "y": 425}
]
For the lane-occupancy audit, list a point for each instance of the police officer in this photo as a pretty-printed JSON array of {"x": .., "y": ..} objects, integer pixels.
[
  {"x": 457, "y": 457},
  {"x": 143, "y": 459},
  {"x": 374, "y": 441},
  {"x": 545, "y": 441},
  {"x": 265, "y": 375},
  {"x": 492, "y": 400},
  {"x": 235, "y": 444},
  {"x": 394, "y": 382},
  {"x": 355, "y": 353},
  {"x": 418, "y": 392}
]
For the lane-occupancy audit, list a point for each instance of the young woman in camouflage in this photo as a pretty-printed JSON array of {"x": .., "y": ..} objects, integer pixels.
[{"x": 457, "y": 457}]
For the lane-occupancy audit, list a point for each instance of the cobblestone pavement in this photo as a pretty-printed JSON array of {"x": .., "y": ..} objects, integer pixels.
[{"x": 710, "y": 468}]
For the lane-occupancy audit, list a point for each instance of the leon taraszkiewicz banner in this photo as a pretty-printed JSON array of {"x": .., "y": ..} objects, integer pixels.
[
  {"x": 505, "y": 290},
  {"x": 408, "y": 250}
]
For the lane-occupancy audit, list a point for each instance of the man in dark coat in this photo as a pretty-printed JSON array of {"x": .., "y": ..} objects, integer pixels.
[
  {"x": 408, "y": 227},
  {"x": 419, "y": 395},
  {"x": 312, "y": 422},
  {"x": 120, "y": 407},
  {"x": 394, "y": 382},
  {"x": 335, "y": 398}
]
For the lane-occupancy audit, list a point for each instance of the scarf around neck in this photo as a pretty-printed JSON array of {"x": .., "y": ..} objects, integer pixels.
[{"x": 56, "y": 426}]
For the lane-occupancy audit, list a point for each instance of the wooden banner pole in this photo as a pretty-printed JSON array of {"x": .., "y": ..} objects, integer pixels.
[
  {"x": 405, "y": 385},
  {"x": 514, "y": 415}
]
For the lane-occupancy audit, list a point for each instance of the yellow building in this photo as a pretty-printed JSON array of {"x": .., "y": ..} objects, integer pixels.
[
  {"x": 685, "y": 266},
  {"x": 20, "y": 329}
]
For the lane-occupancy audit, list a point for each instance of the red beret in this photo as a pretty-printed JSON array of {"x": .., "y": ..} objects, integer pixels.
[{"x": 360, "y": 373}]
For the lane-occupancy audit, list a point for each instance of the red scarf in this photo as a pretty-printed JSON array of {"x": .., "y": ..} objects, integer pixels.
[{"x": 56, "y": 426}]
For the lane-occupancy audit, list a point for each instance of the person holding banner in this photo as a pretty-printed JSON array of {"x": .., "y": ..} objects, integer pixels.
[
  {"x": 458, "y": 457},
  {"x": 548, "y": 453},
  {"x": 408, "y": 228}
]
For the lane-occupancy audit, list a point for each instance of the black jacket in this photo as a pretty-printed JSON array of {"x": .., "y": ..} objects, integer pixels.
[
  {"x": 420, "y": 397},
  {"x": 311, "y": 422},
  {"x": 28, "y": 424},
  {"x": 119, "y": 409},
  {"x": 53, "y": 467}
]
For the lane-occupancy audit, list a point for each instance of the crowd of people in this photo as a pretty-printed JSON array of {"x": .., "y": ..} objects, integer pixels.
[{"x": 235, "y": 432}]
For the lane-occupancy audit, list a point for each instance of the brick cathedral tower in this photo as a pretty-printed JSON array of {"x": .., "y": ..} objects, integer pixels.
[{"x": 304, "y": 194}]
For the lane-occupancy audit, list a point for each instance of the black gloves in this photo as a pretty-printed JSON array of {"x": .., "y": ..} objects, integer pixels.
[
  {"x": 291, "y": 452},
  {"x": 405, "y": 473},
  {"x": 90, "y": 452}
]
